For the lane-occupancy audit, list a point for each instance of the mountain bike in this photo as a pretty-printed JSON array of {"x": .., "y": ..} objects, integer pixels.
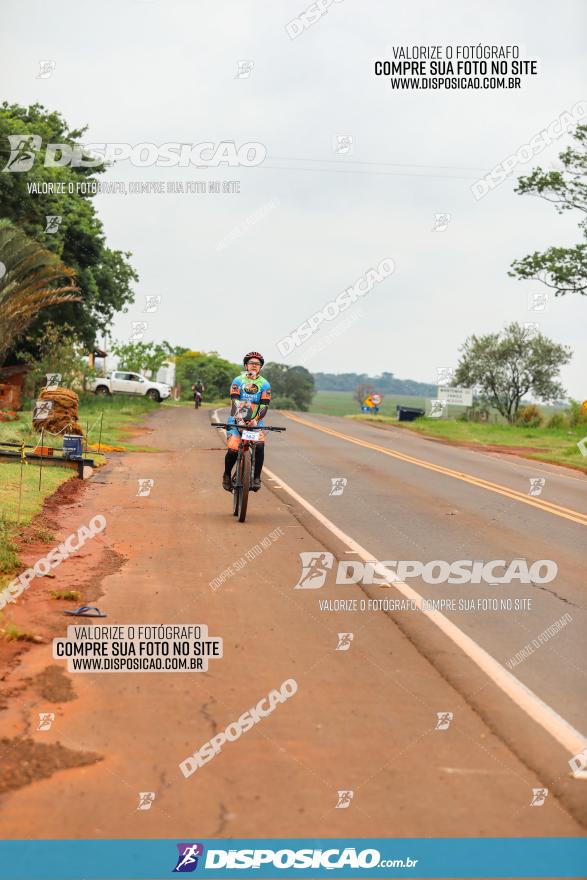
[{"x": 245, "y": 466}]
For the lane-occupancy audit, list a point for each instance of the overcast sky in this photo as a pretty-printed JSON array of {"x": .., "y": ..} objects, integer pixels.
[{"x": 152, "y": 71}]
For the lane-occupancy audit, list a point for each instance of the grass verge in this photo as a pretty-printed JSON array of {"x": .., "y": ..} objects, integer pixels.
[
  {"x": 554, "y": 445},
  {"x": 69, "y": 595},
  {"x": 13, "y": 634},
  {"x": 118, "y": 416},
  {"x": 104, "y": 419}
]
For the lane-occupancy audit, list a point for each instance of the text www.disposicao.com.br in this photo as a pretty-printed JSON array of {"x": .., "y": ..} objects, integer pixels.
[{"x": 136, "y": 664}]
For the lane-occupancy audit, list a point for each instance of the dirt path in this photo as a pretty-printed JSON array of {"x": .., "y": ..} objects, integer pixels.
[{"x": 362, "y": 720}]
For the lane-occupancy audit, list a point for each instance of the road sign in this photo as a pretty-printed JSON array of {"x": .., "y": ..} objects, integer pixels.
[
  {"x": 455, "y": 396},
  {"x": 372, "y": 401}
]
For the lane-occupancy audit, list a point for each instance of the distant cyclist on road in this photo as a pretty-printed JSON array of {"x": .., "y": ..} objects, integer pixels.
[
  {"x": 250, "y": 396},
  {"x": 198, "y": 391}
]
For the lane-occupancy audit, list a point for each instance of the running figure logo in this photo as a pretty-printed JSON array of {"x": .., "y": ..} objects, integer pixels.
[
  {"x": 138, "y": 330},
  {"x": 314, "y": 568},
  {"x": 145, "y": 486},
  {"x": 46, "y": 719},
  {"x": 338, "y": 485},
  {"x": 437, "y": 408},
  {"x": 441, "y": 222},
  {"x": 53, "y": 380},
  {"x": 187, "y": 860},
  {"x": 52, "y": 222},
  {"x": 46, "y": 68},
  {"x": 536, "y": 485},
  {"x": 22, "y": 151},
  {"x": 152, "y": 303},
  {"x": 444, "y": 375},
  {"x": 244, "y": 68},
  {"x": 42, "y": 409},
  {"x": 539, "y": 795},
  {"x": 343, "y": 144},
  {"x": 344, "y": 641},
  {"x": 537, "y": 302},
  {"x": 146, "y": 799},
  {"x": 532, "y": 328},
  {"x": 444, "y": 719},
  {"x": 344, "y": 799}
]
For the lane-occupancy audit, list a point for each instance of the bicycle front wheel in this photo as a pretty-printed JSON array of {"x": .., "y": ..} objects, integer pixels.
[{"x": 245, "y": 478}]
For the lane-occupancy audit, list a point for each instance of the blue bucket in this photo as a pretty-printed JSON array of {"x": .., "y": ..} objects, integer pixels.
[{"x": 72, "y": 446}]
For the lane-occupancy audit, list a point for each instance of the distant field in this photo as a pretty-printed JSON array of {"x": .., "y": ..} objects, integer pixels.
[
  {"x": 556, "y": 445},
  {"x": 342, "y": 403}
]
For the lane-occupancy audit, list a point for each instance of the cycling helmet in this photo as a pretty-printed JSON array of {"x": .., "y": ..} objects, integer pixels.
[{"x": 253, "y": 354}]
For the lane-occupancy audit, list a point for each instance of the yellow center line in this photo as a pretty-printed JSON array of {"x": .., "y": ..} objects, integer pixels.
[{"x": 549, "y": 507}]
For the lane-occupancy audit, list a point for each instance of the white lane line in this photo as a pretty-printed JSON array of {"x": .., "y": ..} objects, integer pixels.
[
  {"x": 522, "y": 696},
  {"x": 537, "y": 709}
]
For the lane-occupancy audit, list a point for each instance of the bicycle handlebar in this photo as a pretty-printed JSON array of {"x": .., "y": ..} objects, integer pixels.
[{"x": 246, "y": 427}]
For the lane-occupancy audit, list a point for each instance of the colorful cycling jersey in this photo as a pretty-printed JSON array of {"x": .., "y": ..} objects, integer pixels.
[{"x": 255, "y": 392}]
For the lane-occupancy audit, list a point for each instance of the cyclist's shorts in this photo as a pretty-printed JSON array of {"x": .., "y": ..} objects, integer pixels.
[{"x": 233, "y": 438}]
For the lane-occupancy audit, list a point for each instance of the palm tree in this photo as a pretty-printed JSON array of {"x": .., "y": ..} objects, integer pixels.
[{"x": 28, "y": 272}]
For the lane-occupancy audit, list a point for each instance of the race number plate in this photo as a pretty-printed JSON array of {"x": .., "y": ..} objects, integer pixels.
[{"x": 250, "y": 435}]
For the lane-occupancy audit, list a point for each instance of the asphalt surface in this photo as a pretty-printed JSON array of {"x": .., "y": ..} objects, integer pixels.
[
  {"x": 401, "y": 510},
  {"x": 363, "y": 719}
]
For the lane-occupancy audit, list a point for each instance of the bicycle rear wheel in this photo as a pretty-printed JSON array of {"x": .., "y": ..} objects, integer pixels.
[{"x": 245, "y": 476}]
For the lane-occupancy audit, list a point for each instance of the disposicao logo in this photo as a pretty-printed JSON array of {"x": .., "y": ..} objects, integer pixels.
[
  {"x": 24, "y": 148},
  {"x": 187, "y": 860},
  {"x": 316, "y": 564}
]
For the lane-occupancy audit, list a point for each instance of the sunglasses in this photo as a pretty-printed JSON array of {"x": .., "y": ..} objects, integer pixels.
[{"x": 253, "y": 363}]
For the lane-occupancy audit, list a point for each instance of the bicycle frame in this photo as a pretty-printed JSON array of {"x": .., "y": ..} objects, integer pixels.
[
  {"x": 244, "y": 447},
  {"x": 245, "y": 467}
]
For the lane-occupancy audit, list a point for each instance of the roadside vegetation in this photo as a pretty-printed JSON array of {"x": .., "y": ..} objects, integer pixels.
[
  {"x": 103, "y": 275},
  {"x": 116, "y": 416},
  {"x": 553, "y": 438},
  {"x": 343, "y": 403},
  {"x": 561, "y": 269},
  {"x": 22, "y": 493}
]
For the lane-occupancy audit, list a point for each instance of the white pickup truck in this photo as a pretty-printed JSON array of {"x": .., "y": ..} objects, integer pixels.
[{"x": 124, "y": 382}]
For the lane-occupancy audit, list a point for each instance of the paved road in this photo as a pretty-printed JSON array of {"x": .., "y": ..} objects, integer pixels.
[
  {"x": 364, "y": 719},
  {"x": 437, "y": 506}
]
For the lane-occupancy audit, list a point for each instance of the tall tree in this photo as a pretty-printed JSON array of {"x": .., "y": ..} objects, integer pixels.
[
  {"x": 137, "y": 356},
  {"x": 362, "y": 391},
  {"x": 562, "y": 269},
  {"x": 104, "y": 275},
  {"x": 215, "y": 372},
  {"x": 32, "y": 278},
  {"x": 296, "y": 384},
  {"x": 508, "y": 365}
]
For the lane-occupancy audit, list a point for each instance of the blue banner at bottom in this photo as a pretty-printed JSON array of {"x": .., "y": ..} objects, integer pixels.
[{"x": 275, "y": 858}]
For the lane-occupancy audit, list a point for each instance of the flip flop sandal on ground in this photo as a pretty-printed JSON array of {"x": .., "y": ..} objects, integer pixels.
[{"x": 86, "y": 611}]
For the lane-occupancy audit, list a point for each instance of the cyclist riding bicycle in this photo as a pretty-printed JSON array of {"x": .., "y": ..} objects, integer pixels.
[
  {"x": 198, "y": 392},
  {"x": 250, "y": 396}
]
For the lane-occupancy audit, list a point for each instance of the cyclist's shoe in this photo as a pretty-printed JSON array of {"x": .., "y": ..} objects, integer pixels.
[
  {"x": 256, "y": 484},
  {"x": 227, "y": 482}
]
